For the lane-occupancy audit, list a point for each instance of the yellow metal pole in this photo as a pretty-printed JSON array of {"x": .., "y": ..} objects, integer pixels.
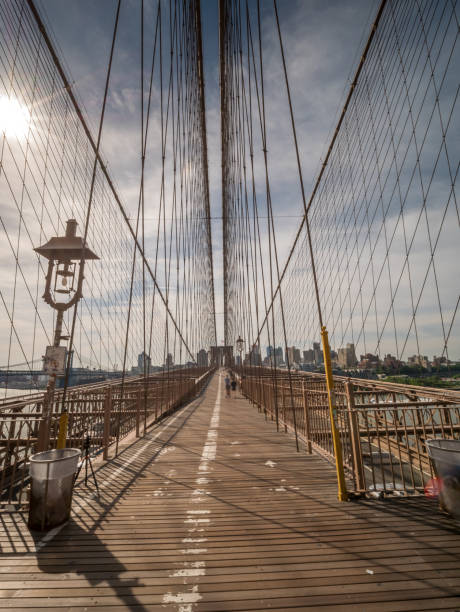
[
  {"x": 342, "y": 488},
  {"x": 62, "y": 436}
]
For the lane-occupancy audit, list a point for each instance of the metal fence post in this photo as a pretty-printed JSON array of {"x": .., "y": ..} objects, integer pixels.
[
  {"x": 264, "y": 395},
  {"x": 44, "y": 426},
  {"x": 107, "y": 411},
  {"x": 306, "y": 417},
  {"x": 283, "y": 408},
  {"x": 360, "y": 481},
  {"x": 138, "y": 411},
  {"x": 271, "y": 401}
]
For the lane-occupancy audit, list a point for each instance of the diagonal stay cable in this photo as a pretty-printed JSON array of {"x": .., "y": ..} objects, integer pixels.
[{"x": 68, "y": 88}]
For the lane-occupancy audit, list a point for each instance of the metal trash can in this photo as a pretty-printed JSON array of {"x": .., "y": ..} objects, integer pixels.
[
  {"x": 445, "y": 455},
  {"x": 52, "y": 475}
]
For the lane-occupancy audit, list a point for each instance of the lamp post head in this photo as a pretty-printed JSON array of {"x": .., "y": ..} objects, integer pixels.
[
  {"x": 66, "y": 252},
  {"x": 66, "y": 248}
]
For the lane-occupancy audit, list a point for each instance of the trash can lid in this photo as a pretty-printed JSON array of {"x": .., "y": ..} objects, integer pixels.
[
  {"x": 445, "y": 444},
  {"x": 55, "y": 455}
]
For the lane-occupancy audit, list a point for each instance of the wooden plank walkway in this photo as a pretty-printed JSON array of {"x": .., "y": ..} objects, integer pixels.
[{"x": 215, "y": 511}]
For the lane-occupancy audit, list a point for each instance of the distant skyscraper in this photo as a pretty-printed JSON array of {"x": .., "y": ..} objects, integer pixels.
[
  {"x": 318, "y": 353},
  {"x": 274, "y": 355},
  {"x": 141, "y": 358},
  {"x": 169, "y": 360},
  {"x": 279, "y": 355},
  {"x": 292, "y": 355},
  {"x": 347, "y": 356}
]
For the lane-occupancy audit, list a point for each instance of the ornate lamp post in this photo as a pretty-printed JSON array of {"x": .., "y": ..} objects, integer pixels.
[
  {"x": 240, "y": 348},
  {"x": 66, "y": 257}
]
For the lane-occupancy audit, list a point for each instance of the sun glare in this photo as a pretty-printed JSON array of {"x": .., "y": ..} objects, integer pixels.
[{"x": 14, "y": 118}]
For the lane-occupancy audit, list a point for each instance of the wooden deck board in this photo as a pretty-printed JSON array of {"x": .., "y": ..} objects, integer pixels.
[{"x": 257, "y": 527}]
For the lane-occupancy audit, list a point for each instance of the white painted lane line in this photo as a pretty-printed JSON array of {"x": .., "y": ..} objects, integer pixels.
[
  {"x": 185, "y": 601},
  {"x": 193, "y": 540},
  {"x": 191, "y": 597},
  {"x": 188, "y": 572},
  {"x": 194, "y": 551}
]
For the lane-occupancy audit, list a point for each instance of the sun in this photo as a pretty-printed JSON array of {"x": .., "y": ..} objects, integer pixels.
[{"x": 14, "y": 118}]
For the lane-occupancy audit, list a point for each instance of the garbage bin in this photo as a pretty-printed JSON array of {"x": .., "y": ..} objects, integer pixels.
[
  {"x": 445, "y": 455},
  {"x": 52, "y": 474}
]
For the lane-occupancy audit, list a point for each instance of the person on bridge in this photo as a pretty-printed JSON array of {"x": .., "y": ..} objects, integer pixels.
[
  {"x": 227, "y": 386},
  {"x": 233, "y": 384}
]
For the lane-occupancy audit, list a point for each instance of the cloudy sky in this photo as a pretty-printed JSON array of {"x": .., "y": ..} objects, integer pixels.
[{"x": 322, "y": 43}]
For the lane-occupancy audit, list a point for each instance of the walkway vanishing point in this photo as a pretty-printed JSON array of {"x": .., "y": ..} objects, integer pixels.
[{"x": 213, "y": 510}]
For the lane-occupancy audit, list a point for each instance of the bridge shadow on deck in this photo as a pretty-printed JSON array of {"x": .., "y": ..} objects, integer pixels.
[
  {"x": 76, "y": 549},
  {"x": 20, "y": 540},
  {"x": 107, "y": 502},
  {"x": 99, "y": 567}
]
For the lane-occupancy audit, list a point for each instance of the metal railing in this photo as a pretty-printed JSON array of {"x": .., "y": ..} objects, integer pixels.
[
  {"x": 383, "y": 426},
  {"x": 106, "y": 412}
]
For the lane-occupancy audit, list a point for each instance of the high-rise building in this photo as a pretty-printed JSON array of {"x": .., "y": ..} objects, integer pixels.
[
  {"x": 292, "y": 355},
  {"x": 169, "y": 360},
  {"x": 202, "y": 358},
  {"x": 318, "y": 353},
  {"x": 274, "y": 356},
  {"x": 141, "y": 359},
  {"x": 309, "y": 356},
  {"x": 347, "y": 356}
]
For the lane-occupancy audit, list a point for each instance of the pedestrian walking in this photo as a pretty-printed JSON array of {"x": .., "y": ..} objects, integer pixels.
[
  {"x": 233, "y": 384},
  {"x": 227, "y": 386}
]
